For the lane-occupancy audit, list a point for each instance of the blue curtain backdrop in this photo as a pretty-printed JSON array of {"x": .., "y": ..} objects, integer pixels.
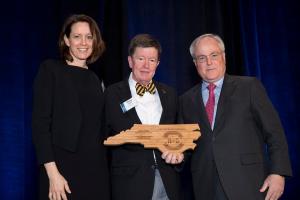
[{"x": 261, "y": 38}]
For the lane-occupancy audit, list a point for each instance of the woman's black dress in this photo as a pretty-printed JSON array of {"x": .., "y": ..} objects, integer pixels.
[{"x": 86, "y": 169}]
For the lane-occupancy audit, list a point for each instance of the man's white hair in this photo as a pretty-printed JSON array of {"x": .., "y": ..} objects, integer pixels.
[{"x": 210, "y": 35}]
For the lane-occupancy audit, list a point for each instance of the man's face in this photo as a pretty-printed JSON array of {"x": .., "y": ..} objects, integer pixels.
[
  {"x": 143, "y": 63},
  {"x": 209, "y": 60}
]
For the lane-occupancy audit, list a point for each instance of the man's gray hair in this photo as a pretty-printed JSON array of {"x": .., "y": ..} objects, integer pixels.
[{"x": 210, "y": 35}]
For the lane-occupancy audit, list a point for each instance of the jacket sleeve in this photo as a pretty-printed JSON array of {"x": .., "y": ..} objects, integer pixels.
[
  {"x": 271, "y": 129},
  {"x": 43, "y": 94}
]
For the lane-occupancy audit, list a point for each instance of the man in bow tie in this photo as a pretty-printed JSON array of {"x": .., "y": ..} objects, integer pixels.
[{"x": 138, "y": 173}]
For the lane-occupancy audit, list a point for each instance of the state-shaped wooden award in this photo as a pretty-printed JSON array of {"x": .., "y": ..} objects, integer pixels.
[{"x": 175, "y": 138}]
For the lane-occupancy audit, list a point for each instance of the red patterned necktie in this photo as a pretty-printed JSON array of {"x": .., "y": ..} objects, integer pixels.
[{"x": 210, "y": 104}]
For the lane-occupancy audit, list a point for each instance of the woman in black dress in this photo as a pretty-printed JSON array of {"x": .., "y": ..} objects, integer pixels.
[{"x": 67, "y": 117}]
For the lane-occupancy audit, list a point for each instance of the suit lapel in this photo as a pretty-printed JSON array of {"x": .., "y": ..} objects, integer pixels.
[
  {"x": 124, "y": 95},
  {"x": 163, "y": 96},
  {"x": 198, "y": 107},
  {"x": 226, "y": 92}
]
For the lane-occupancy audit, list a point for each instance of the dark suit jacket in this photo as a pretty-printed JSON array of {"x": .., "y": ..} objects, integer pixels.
[
  {"x": 56, "y": 115},
  {"x": 245, "y": 122},
  {"x": 132, "y": 166}
]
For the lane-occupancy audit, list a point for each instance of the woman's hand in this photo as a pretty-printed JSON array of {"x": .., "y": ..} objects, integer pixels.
[{"x": 57, "y": 183}]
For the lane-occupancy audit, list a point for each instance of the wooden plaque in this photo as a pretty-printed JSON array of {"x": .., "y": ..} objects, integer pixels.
[{"x": 175, "y": 138}]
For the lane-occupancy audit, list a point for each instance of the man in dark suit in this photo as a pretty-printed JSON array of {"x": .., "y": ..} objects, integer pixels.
[
  {"x": 242, "y": 153},
  {"x": 138, "y": 173}
]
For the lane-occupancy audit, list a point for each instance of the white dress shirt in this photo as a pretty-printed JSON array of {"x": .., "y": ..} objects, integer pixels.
[{"x": 148, "y": 107}]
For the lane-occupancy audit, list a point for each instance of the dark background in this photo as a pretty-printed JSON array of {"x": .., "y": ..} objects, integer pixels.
[{"x": 261, "y": 39}]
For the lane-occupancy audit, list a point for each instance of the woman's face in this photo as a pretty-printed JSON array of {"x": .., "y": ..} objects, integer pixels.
[{"x": 80, "y": 43}]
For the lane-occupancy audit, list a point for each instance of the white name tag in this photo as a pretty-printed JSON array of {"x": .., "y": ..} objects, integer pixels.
[{"x": 127, "y": 105}]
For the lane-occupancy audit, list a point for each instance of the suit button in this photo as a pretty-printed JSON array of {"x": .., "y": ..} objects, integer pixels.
[{"x": 213, "y": 138}]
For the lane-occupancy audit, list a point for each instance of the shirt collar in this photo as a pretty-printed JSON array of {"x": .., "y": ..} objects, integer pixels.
[
  {"x": 132, "y": 82},
  {"x": 218, "y": 84}
]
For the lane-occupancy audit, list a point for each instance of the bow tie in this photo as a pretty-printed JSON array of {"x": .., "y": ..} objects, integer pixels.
[{"x": 141, "y": 89}]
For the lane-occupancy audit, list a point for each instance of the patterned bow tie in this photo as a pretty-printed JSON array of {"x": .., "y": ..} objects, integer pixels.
[{"x": 140, "y": 89}]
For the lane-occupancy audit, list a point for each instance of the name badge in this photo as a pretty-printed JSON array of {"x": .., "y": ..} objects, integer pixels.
[{"x": 127, "y": 105}]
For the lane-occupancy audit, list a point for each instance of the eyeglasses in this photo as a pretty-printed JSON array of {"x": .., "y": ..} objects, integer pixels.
[{"x": 204, "y": 58}]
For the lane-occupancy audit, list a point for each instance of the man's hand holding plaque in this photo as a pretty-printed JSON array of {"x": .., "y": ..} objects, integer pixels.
[
  {"x": 172, "y": 158},
  {"x": 171, "y": 140}
]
